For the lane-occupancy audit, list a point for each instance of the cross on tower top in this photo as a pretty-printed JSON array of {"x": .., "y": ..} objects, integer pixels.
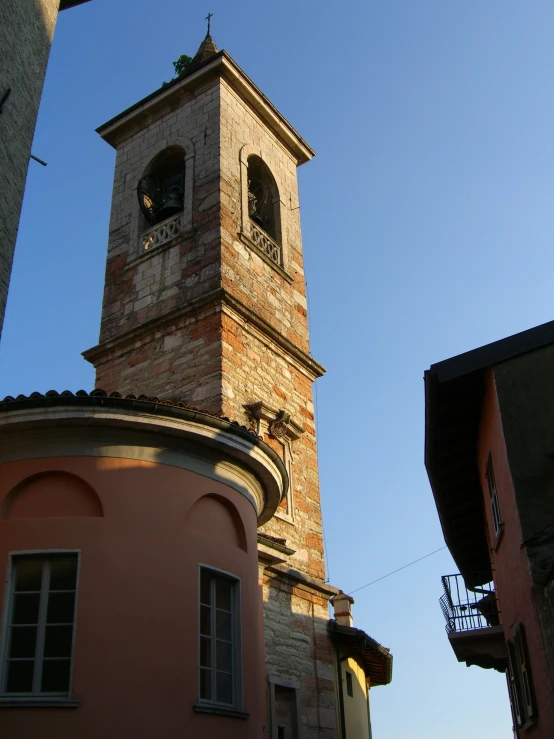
[{"x": 208, "y": 18}]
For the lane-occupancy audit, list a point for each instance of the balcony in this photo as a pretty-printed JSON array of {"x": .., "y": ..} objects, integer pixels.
[
  {"x": 265, "y": 244},
  {"x": 473, "y": 623},
  {"x": 162, "y": 232}
]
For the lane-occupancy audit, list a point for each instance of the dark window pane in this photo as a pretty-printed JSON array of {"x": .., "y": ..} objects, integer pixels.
[
  {"x": 55, "y": 676},
  {"x": 60, "y": 608},
  {"x": 25, "y": 608},
  {"x": 28, "y": 575},
  {"x": 223, "y": 623},
  {"x": 206, "y": 684},
  {"x": 224, "y": 656},
  {"x": 205, "y": 652},
  {"x": 223, "y": 594},
  {"x": 23, "y": 641},
  {"x": 223, "y": 687},
  {"x": 205, "y": 620},
  {"x": 20, "y": 677},
  {"x": 58, "y": 641},
  {"x": 205, "y": 594},
  {"x": 63, "y": 573},
  {"x": 349, "y": 684}
]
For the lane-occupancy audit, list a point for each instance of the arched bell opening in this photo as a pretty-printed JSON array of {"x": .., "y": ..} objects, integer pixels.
[
  {"x": 263, "y": 198},
  {"x": 161, "y": 189}
]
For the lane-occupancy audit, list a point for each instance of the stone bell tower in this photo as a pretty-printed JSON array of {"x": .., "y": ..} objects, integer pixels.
[{"x": 205, "y": 304}]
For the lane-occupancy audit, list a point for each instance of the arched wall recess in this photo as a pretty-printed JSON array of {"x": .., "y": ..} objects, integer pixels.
[
  {"x": 216, "y": 517},
  {"x": 53, "y": 494}
]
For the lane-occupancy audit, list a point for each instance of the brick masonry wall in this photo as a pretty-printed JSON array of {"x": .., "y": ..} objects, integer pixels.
[
  {"x": 144, "y": 286},
  {"x": 210, "y": 358},
  {"x": 26, "y": 31},
  {"x": 297, "y": 648},
  {"x": 168, "y": 330},
  {"x": 255, "y": 369},
  {"x": 244, "y": 273}
]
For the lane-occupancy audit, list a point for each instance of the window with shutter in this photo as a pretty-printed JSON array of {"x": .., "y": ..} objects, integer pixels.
[{"x": 520, "y": 682}]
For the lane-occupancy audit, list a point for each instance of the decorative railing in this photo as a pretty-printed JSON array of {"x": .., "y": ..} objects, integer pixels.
[
  {"x": 465, "y": 609},
  {"x": 266, "y": 244},
  {"x": 161, "y": 233}
]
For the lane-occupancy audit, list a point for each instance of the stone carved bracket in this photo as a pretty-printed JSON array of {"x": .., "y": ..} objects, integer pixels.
[
  {"x": 278, "y": 422},
  {"x": 280, "y": 426}
]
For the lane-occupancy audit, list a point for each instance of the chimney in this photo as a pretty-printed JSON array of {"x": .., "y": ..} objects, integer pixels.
[{"x": 342, "y": 606}]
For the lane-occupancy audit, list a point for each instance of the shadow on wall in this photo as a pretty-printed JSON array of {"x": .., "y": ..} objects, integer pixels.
[
  {"x": 52, "y": 494},
  {"x": 214, "y": 516},
  {"x": 299, "y": 663}
]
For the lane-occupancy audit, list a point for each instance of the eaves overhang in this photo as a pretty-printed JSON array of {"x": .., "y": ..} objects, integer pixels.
[
  {"x": 454, "y": 392},
  {"x": 375, "y": 660},
  {"x": 65, "y": 4},
  {"x": 166, "y": 98},
  {"x": 452, "y": 415},
  {"x": 174, "y": 424}
]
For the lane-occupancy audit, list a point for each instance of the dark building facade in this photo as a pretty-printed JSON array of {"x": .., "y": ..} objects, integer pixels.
[
  {"x": 489, "y": 453},
  {"x": 26, "y": 32}
]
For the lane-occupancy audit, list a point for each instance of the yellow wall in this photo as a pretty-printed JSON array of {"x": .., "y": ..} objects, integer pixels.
[{"x": 355, "y": 707}]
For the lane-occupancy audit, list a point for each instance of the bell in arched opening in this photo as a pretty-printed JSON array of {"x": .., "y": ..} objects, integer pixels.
[
  {"x": 263, "y": 198},
  {"x": 161, "y": 191}
]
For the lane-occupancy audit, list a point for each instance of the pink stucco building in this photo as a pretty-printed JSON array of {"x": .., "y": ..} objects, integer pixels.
[{"x": 488, "y": 453}]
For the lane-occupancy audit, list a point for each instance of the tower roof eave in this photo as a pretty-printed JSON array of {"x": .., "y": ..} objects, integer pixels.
[
  {"x": 66, "y": 4},
  {"x": 163, "y": 100}
]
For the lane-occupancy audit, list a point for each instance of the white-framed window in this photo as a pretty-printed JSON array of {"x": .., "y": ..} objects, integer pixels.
[
  {"x": 40, "y": 621},
  {"x": 493, "y": 493},
  {"x": 220, "y": 650}
]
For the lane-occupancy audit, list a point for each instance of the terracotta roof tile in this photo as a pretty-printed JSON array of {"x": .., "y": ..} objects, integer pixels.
[{"x": 99, "y": 393}]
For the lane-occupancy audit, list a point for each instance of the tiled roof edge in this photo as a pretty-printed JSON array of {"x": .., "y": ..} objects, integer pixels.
[{"x": 116, "y": 399}]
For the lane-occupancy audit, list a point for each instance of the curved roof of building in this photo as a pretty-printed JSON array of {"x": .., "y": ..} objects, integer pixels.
[{"x": 24, "y": 412}]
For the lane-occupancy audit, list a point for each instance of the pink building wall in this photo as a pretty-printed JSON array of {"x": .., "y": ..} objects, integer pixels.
[
  {"x": 509, "y": 559},
  {"x": 142, "y": 530}
]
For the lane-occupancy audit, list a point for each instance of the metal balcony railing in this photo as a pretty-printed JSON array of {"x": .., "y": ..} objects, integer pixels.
[{"x": 465, "y": 609}]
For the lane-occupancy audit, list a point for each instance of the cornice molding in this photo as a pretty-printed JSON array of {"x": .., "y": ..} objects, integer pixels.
[
  {"x": 273, "y": 416},
  {"x": 102, "y": 352},
  {"x": 166, "y": 98},
  {"x": 117, "y": 427}
]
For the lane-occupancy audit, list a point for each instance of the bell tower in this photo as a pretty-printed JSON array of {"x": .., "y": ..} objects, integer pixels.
[{"x": 205, "y": 304}]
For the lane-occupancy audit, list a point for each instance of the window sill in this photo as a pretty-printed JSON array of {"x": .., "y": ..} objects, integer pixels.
[
  {"x": 528, "y": 724},
  {"x": 219, "y": 710},
  {"x": 32, "y": 702},
  {"x": 284, "y": 517}
]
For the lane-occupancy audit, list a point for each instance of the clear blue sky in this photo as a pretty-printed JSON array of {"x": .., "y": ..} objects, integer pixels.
[{"x": 428, "y": 230}]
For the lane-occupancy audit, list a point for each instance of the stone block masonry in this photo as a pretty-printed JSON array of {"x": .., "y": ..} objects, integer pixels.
[
  {"x": 204, "y": 319},
  {"x": 26, "y": 31},
  {"x": 207, "y": 320},
  {"x": 298, "y": 648}
]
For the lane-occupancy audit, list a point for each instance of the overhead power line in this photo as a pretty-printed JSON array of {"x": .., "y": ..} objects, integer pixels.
[{"x": 398, "y": 570}]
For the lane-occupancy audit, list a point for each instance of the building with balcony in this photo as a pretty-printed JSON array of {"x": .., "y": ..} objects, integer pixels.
[{"x": 489, "y": 453}]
